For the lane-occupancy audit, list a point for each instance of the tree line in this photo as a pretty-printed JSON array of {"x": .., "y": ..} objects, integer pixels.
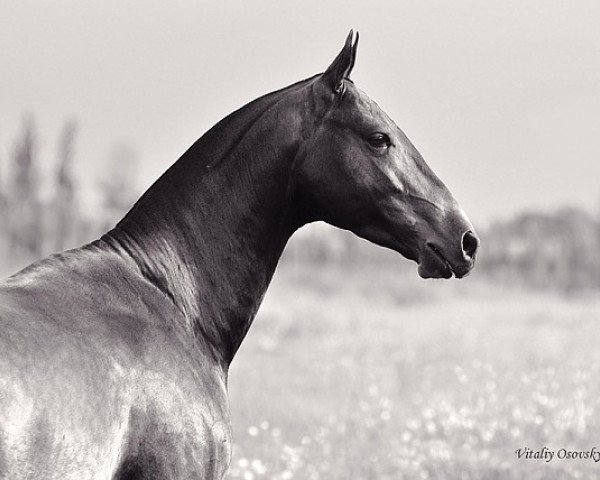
[{"x": 550, "y": 250}]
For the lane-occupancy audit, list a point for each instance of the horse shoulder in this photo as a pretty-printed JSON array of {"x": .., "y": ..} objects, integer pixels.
[{"x": 179, "y": 425}]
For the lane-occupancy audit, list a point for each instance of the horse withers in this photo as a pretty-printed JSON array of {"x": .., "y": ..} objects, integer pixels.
[{"x": 114, "y": 356}]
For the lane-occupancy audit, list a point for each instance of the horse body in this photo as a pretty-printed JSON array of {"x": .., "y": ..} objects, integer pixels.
[
  {"x": 117, "y": 353},
  {"x": 93, "y": 388}
]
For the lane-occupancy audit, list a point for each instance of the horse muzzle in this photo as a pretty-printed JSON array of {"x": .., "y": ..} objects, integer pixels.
[{"x": 438, "y": 262}]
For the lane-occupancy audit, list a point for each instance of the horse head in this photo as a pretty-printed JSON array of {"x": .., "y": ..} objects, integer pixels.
[{"x": 359, "y": 171}]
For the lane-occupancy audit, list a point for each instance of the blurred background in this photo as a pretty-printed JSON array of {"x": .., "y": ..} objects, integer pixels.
[{"x": 355, "y": 367}]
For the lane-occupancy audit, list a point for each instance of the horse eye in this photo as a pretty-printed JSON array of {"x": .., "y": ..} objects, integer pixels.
[{"x": 379, "y": 140}]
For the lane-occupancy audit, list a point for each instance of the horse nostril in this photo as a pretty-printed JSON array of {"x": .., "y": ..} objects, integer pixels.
[{"x": 470, "y": 243}]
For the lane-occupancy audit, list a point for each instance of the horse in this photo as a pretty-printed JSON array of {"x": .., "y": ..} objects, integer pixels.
[{"x": 115, "y": 355}]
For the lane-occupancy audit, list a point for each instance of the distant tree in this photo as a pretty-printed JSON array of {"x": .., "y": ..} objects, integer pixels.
[
  {"x": 118, "y": 184},
  {"x": 65, "y": 199},
  {"x": 24, "y": 178},
  {"x": 25, "y": 222}
]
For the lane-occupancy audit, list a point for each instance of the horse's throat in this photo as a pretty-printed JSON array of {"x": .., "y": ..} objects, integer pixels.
[{"x": 232, "y": 279}]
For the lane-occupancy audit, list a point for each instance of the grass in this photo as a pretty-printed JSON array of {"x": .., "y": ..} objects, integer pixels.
[{"x": 372, "y": 373}]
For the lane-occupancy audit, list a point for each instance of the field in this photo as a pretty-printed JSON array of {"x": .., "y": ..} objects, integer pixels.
[{"x": 372, "y": 373}]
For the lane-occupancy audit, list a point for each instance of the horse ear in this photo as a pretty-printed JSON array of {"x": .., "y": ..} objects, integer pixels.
[{"x": 342, "y": 65}]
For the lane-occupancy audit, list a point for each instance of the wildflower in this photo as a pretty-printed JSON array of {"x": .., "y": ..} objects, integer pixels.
[
  {"x": 430, "y": 426},
  {"x": 258, "y": 466}
]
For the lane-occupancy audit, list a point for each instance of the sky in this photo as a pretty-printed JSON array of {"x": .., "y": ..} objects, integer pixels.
[{"x": 502, "y": 98}]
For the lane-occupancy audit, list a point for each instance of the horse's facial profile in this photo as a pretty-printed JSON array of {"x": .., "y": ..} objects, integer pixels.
[{"x": 360, "y": 172}]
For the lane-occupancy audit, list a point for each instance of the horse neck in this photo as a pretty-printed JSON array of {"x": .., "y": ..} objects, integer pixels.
[{"x": 210, "y": 232}]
